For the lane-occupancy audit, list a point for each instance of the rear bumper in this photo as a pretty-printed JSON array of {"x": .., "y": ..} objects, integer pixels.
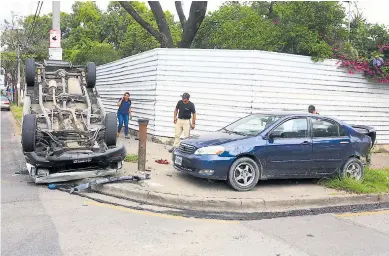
[{"x": 69, "y": 161}]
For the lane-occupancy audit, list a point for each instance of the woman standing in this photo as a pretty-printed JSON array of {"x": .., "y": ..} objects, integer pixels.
[{"x": 124, "y": 113}]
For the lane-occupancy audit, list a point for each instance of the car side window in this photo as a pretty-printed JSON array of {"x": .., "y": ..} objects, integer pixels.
[
  {"x": 324, "y": 128},
  {"x": 294, "y": 128}
]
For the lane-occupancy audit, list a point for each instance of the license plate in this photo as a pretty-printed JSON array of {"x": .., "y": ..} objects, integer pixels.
[
  {"x": 178, "y": 160},
  {"x": 82, "y": 161}
]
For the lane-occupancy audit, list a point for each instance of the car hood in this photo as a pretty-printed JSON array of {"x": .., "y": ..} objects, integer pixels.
[{"x": 212, "y": 139}]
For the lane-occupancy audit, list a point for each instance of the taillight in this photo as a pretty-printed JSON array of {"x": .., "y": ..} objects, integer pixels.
[{"x": 7, "y": 103}]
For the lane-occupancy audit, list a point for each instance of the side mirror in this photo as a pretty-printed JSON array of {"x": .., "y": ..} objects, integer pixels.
[{"x": 275, "y": 134}]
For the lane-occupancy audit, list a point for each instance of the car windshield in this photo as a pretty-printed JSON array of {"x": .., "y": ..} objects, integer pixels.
[{"x": 251, "y": 125}]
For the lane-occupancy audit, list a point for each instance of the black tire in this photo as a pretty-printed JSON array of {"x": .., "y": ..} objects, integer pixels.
[
  {"x": 29, "y": 133},
  {"x": 91, "y": 75},
  {"x": 30, "y": 72},
  {"x": 243, "y": 162},
  {"x": 353, "y": 169},
  {"x": 110, "y": 129}
]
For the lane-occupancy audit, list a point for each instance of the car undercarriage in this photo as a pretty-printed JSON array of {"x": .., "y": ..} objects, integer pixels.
[{"x": 65, "y": 128}]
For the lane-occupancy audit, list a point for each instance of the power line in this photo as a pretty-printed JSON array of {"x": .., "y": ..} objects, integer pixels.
[{"x": 37, "y": 13}]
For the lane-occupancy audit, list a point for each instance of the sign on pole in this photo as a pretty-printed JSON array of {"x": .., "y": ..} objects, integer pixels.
[
  {"x": 55, "y": 38},
  {"x": 55, "y": 53}
]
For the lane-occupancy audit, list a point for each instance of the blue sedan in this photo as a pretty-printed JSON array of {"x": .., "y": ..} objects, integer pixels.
[{"x": 277, "y": 146}]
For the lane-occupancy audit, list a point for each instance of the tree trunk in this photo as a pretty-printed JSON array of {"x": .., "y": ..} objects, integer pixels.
[
  {"x": 181, "y": 14},
  {"x": 197, "y": 12},
  {"x": 190, "y": 27},
  {"x": 155, "y": 33},
  {"x": 159, "y": 15}
]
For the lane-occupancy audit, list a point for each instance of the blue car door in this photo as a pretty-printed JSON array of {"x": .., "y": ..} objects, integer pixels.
[
  {"x": 331, "y": 145},
  {"x": 288, "y": 152}
]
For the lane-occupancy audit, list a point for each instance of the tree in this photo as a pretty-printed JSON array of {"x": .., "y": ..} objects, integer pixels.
[
  {"x": 99, "y": 53},
  {"x": 306, "y": 28},
  {"x": 163, "y": 34},
  {"x": 121, "y": 30},
  {"x": 238, "y": 26},
  {"x": 365, "y": 37}
]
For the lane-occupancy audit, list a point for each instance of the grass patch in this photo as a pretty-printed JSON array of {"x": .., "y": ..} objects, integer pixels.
[
  {"x": 17, "y": 111},
  {"x": 131, "y": 158},
  {"x": 375, "y": 181}
]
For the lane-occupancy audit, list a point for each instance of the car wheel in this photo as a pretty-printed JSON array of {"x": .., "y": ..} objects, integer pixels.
[
  {"x": 29, "y": 133},
  {"x": 110, "y": 129},
  {"x": 30, "y": 72},
  {"x": 243, "y": 174},
  {"x": 353, "y": 169},
  {"x": 91, "y": 75}
]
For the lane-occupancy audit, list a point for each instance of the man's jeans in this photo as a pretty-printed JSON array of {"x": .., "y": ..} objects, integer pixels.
[{"x": 123, "y": 119}]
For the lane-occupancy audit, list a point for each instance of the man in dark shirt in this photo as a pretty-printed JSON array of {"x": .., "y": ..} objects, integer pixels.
[
  {"x": 184, "y": 109},
  {"x": 124, "y": 113}
]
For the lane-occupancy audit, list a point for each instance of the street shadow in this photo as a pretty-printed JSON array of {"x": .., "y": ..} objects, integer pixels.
[{"x": 221, "y": 184}]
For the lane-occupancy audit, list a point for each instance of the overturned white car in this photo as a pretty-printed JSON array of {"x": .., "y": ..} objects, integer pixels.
[{"x": 66, "y": 134}]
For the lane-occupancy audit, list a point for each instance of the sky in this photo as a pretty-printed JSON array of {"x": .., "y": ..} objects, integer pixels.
[{"x": 376, "y": 11}]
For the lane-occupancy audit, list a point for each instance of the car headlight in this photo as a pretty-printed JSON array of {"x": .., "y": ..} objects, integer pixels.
[{"x": 212, "y": 150}]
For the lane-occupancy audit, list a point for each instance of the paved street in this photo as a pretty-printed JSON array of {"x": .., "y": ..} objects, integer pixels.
[{"x": 38, "y": 221}]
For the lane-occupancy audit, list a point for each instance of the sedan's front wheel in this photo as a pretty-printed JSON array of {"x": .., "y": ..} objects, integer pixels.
[
  {"x": 353, "y": 169},
  {"x": 243, "y": 174}
]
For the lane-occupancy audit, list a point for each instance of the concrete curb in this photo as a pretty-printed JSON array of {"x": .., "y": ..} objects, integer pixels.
[{"x": 235, "y": 204}]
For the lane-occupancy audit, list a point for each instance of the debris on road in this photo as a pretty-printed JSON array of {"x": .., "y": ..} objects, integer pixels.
[
  {"x": 54, "y": 186},
  {"x": 162, "y": 161},
  {"x": 85, "y": 186}
]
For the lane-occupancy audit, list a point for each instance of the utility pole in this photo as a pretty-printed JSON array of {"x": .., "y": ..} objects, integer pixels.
[
  {"x": 56, "y": 15},
  {"x": 18, "y": 95},
  {"x": 55, "y": 50}
]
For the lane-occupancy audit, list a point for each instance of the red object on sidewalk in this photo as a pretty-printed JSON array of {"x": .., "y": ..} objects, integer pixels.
[{"x": 161, "y": 161}]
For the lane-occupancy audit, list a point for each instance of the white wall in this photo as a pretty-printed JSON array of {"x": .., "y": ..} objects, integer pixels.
[
  {"x": 137, "y": 75},
  {"x": 228, "y": 84}
]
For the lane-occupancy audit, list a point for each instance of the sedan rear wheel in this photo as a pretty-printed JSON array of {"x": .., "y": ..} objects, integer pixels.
[
  {"x": 353, "y": 169},
  {"x": 243, "y": 174}
]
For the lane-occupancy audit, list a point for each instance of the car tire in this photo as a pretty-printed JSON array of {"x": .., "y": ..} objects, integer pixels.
[
  {"x": 29, "y": 133},
  {"x": 30, "y": 72},
  {"x": 247, "y": 167},
  {"x": 110, "y": 129},
  {"x": 353, "y": 169},
  {"x": 91, "y": 75}
]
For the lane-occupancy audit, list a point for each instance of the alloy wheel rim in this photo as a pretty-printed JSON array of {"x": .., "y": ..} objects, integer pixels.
[
  {"x": 244, "y": 174},
  {"x": 354, "y": 171}
]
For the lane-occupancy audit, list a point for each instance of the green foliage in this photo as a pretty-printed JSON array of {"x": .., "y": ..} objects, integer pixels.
[
  {"x": 237, "y": 26},
  {"x": 297, "y": 27},
  {"x": 131, "y": 158},
  {"x": 306, "y": 28},
  {"x": 99, "y": 53},
  {"x": 17, "y": 112},
  {"x": 365, "y": 36},
  {"x": 375, "y": 181}
]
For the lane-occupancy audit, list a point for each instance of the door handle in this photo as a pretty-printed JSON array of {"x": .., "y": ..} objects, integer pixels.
[
  {"x": 306, "y": 143},
  {"x": 344, "y": 142}
]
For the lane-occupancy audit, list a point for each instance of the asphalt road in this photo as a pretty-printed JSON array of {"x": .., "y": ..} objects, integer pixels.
[{"x": 38, "y": 221}]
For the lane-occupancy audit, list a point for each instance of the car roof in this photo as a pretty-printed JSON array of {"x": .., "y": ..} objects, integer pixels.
[{"x": 291, "y": 113}]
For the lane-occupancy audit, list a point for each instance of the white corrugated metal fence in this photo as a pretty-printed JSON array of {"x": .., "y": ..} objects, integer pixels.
[{"x": 228, "y": 84}]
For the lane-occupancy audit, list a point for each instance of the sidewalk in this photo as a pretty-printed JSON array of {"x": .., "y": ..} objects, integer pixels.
[{"x": 168, "y": 187}]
